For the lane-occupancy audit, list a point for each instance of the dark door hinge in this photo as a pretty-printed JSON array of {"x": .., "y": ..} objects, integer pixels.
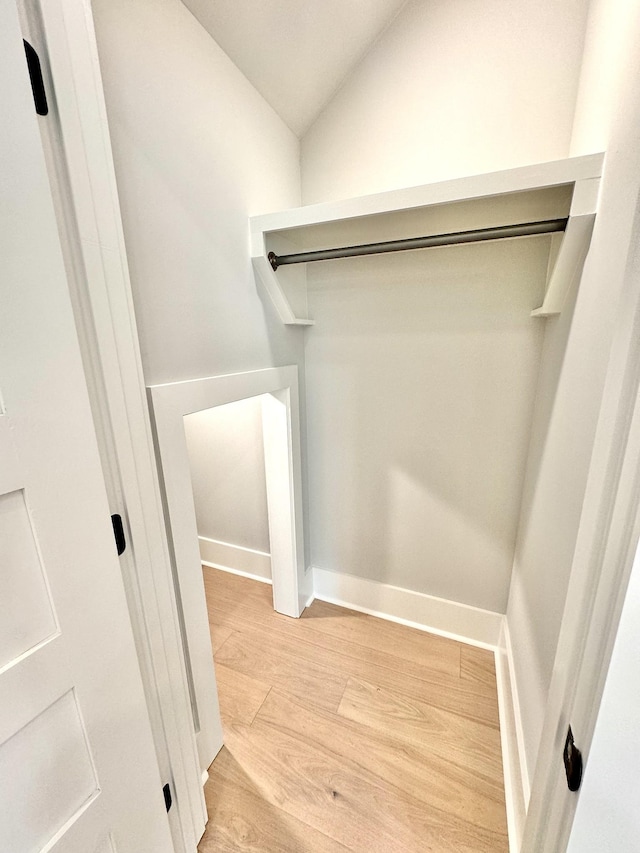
[
  {"x": 166, "y": 790},
  {"x": 572, "y": 762},
  {"x": 37, "y": 82},
  {"x": 118, "y": 533}
]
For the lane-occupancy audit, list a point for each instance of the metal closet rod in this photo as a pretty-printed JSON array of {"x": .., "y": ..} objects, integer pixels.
[{"x": 479, "y": 235}]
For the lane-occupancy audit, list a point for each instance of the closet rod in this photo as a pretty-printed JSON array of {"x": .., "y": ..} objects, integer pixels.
[{"x": 526, "y": 229}]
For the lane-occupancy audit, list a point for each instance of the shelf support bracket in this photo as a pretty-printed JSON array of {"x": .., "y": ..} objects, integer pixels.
[
  {"x": 271, "y": 283},
  {"x": 572, "y": 253}
]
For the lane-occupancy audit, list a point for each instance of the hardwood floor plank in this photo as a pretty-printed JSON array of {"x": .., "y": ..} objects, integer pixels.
[
  {"x": 435, "y": 667},
  {"x": 241, "y": 819},
  {"x": 278, "y": 662},
  {"x": 458, "y": 800},
  {"x": 479, "y": 665},
  {"x": 240, "y": 695},
  {"x": 343, "y": 800},
  {"x": 346, "y": 732},
  {"x": 472, "y": 747},
  {"x": 219, "y": 634},
  {"x": 235, "y": 590},
  {"x": 315, "y": 789},
  {"x": 424, "y": 655},
  {"x": 388, "y": 670},
  {"x": 350, "y": 626}
]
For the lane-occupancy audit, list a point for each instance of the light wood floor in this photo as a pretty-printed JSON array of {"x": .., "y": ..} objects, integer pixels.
[{"x": 344, "y": 732}]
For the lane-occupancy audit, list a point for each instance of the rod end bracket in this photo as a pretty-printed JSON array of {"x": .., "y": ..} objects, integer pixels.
[{"x": 273, "y": 260}]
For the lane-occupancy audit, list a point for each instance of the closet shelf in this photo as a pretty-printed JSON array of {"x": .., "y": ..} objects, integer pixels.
[{"x": 559, "y": 189}]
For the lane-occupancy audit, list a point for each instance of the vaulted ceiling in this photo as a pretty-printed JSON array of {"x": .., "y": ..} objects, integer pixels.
[{"x": 295, "y": 52}]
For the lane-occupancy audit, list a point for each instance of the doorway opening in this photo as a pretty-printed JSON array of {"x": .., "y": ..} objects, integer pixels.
[
  {"x": 276, "y": 389},
  {"x": 227, "y": 460}
]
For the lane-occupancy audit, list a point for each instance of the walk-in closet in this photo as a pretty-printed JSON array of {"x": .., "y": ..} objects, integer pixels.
[{"x": 348, "y": 295}]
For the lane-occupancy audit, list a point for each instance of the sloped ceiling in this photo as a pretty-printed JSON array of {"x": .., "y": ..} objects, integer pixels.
[{"x": 295, "y": 52}]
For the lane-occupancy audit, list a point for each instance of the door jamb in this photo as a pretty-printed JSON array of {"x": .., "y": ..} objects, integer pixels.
[{"x": 607, "y": 540}]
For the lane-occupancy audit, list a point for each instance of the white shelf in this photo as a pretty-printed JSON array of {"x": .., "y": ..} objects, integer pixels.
[{"x": 547, "y": 190}]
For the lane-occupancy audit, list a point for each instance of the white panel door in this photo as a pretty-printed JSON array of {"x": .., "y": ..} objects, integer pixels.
[{"x": 78, "y": 773}]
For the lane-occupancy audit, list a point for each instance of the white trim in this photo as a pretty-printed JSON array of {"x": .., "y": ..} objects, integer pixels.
[
  {"x": 235, "y": 558},
  {"x": 520, "y": 179},
  {"x": 415, "y": 609},
  {"x": 606, "y": 544},
  {"x": 573, "y": 247},
  {"x": 283, "y": 474},
  {"x": 516, "y": 782},
  {"x": 235, "y": 547},
  {"x": 237, "y": 572},
  {"x": 525, "y": 777},
  {"x": 278, "y": 389}
]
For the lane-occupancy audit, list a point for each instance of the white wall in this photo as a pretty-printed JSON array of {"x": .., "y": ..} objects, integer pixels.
[
  {"x": 609, "y": 46},
  {"x": 421, "y": 373},
  {"x": 422, "y": 368},
  {"x": 607, "y": 819},
  {"x": 197, "y": 151},
  {"x": 574, "y": 364},
  {"x": 452, "y": 88},
  {"x": 226, "y": 452}
]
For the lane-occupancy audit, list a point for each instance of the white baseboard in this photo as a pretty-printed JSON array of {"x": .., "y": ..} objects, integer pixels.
[
  {"x": 524, "y": 768},
  {"x": 235, "y": 559},
  {"x": 425, "y": 612},
  {"x": 516, "y": 778}
]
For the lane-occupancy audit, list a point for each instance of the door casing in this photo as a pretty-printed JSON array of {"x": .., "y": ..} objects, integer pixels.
[{"x": 278, "y": 389}]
